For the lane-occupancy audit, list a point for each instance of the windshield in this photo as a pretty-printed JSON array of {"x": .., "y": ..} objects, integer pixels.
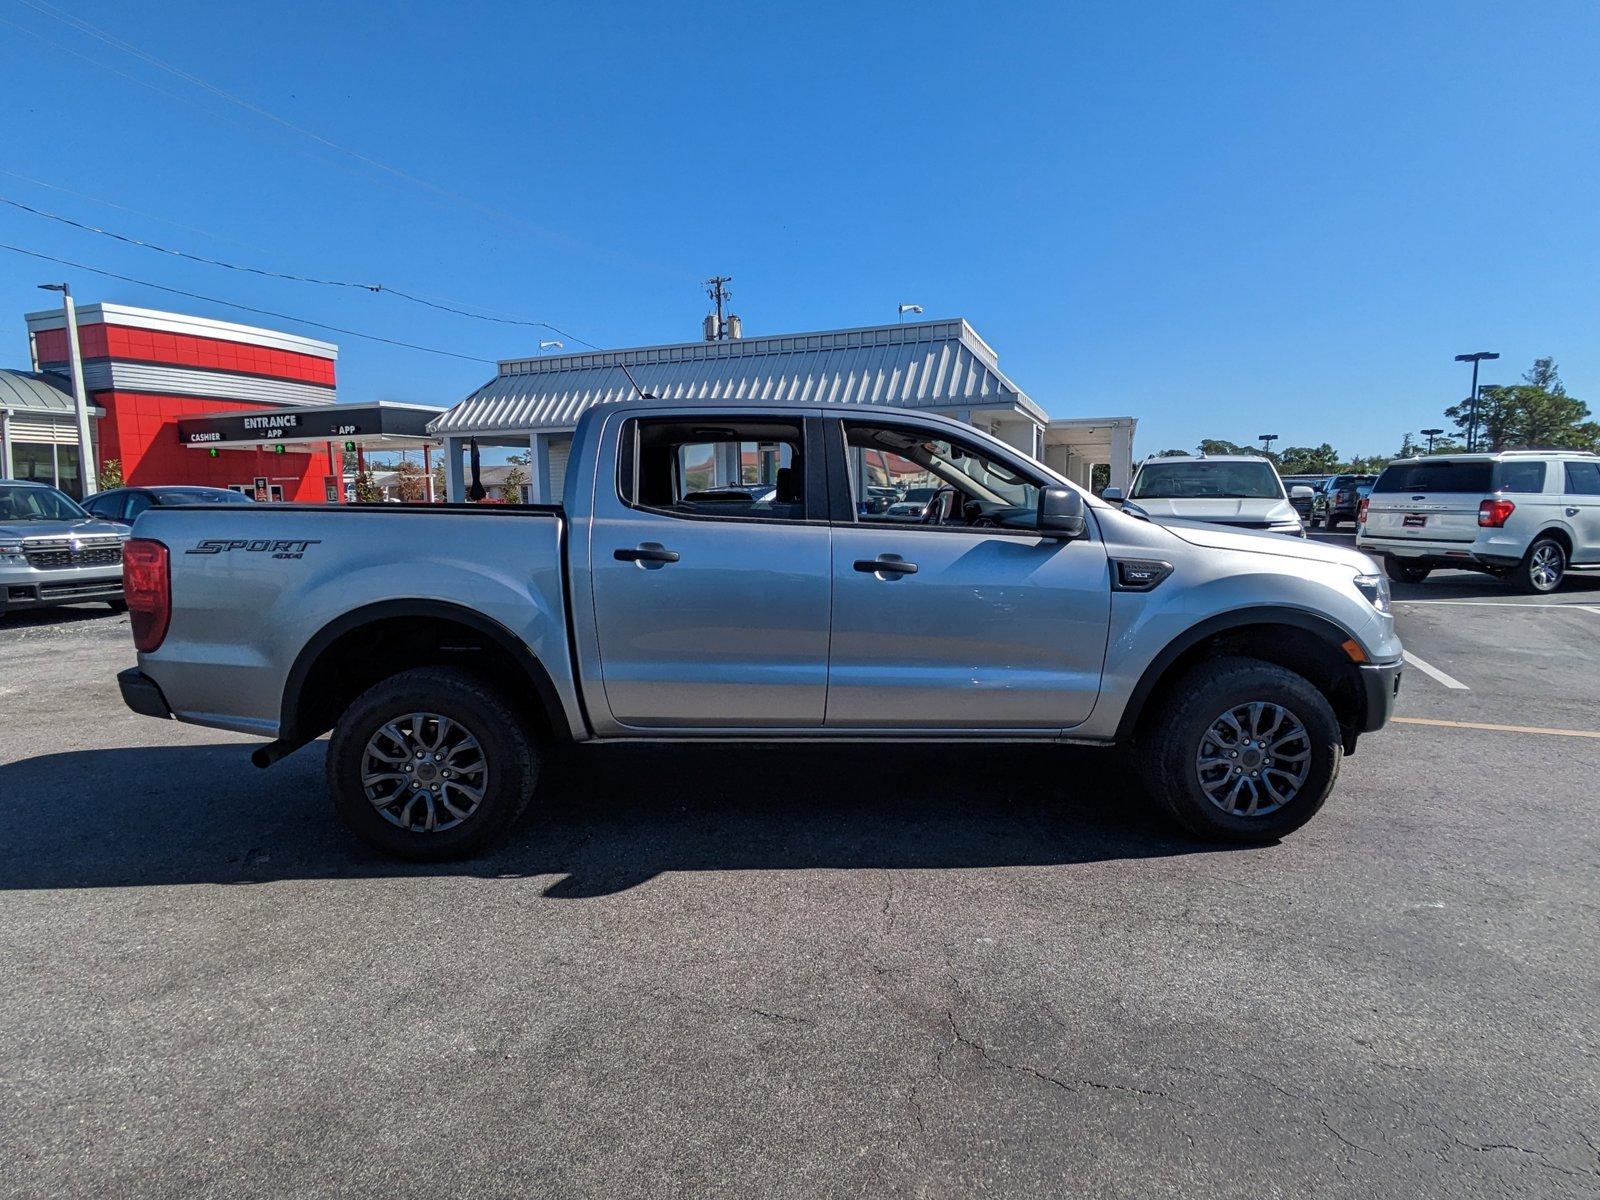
[
  {"x": 37, "y": 504},
  {"x": 1202, "y": 480}
]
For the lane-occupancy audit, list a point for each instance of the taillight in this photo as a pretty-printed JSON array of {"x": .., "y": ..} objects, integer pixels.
[
  {"x": 1361, "y": 512},
  {"x": 1492, "y": 514},
  {"x": 147, "y": 587}
]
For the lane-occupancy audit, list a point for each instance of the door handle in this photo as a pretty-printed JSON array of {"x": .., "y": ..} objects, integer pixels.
[
  {"x": 1572, "y": 512},
  {"x": 648, "y": 553},
  {"x": 889, "y": 566}
]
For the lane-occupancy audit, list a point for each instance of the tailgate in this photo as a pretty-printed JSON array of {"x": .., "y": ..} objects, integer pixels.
[
  {"x": 1428, "y": 516},
  {"x": 1433, "y": 500}
]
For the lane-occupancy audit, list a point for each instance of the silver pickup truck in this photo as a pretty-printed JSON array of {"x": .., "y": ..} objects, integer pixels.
[{"x": 718, "y": 573}]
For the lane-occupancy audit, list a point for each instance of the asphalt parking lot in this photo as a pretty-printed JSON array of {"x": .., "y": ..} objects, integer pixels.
[{"x": 793, "y": 972}]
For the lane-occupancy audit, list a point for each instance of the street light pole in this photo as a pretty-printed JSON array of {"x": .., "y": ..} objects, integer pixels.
[
  {"x": 1472, "y": 409},
  {"x": 1266, "y": 441},
  {"x": 1430, "y": 434},
  {"x": 88, "y": 465}
]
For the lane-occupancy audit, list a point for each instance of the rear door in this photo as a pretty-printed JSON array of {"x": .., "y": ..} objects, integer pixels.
[
  {"x": 952, "y": 620},
  {"x": 1581, "y": 506},
  {"x": 1434, "y": 500},
  {"x": 710, "y": 605}
]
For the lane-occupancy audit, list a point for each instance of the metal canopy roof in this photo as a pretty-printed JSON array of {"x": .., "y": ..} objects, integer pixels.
[
  {"x": 39, "y": 395},
  {"x": 932, "y": 364}
]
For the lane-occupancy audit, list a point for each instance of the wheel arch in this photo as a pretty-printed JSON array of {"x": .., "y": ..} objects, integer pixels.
[
  {"x": 1306, "y": 643},
  {"x": 343, "y": 659}
]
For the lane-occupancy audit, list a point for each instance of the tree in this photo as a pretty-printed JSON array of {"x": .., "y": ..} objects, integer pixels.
[
  {"x": 441, "y": 485},
  {"x": 1220, "y": 446},
  {"x": 410, "y": 482},
  {"x": 1173, "y": 454},
  {"x": 367, "y": 489},
  {"x": 516, "y": 480},
  {"x": 110, "y": 474},
  {"x": 1369, "y": 465},
  {"x": 1534, "y": 414},
  {"x": 1309, "y": 460}
]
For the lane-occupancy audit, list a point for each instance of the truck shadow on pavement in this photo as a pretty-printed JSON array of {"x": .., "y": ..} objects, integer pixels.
[{"x": 604, "y": 819}]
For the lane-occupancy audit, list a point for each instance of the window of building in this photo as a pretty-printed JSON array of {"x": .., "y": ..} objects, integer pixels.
[{"x": 708, "y": 468}]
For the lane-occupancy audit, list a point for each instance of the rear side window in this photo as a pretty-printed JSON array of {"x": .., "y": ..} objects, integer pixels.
[
  {"x": 1583, "y": 479},
  {"x": 751, "y": 470},
  {"x": 1519, "y": 477},
  {"x": 1435, "y": 477}
]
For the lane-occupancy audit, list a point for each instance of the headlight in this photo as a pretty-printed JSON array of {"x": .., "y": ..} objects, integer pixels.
[
  {"x": 11, "y": 552},
  {"x": 1376, "y": 589},
  {"x": 1290, "y": 527}
]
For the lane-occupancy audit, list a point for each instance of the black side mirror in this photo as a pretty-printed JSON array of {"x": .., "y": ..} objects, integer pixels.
[{"x": 1061, "y": 512}]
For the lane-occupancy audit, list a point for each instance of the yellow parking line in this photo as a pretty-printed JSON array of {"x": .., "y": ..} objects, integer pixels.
[{"x": 1582, "y": 733}]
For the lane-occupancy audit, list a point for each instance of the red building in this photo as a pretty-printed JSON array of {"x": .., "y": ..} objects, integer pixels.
[{"x": 148, "y": 369}]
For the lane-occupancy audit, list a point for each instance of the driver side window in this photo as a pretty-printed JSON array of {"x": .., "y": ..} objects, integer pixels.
[{"x": 900, "y": 475}]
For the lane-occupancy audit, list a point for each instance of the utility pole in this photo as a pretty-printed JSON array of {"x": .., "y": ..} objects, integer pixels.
[
  {"x": 716, "y": 288},
  {"x": 1472, "y": 411},
  {"x": 88, "y": 464}
]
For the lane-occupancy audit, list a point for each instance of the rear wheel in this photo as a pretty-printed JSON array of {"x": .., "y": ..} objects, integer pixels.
[
  {"x": 1542, "y": 568},
  {"x": 1241, "y": 750},
  {"x": 430, "y": 764},
  {"x": 1402, "y": 572}
]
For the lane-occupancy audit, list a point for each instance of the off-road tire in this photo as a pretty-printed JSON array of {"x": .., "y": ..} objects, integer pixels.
[
  {"x": 1171, "y": 735},
  {"x": 1527, "y": 575},
  {"x": 1400, "y": 572},
  {"x": 507, "y": 747}
]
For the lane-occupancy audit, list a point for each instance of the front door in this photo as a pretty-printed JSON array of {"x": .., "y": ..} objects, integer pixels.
[
  {"x": 948, "y": 613},
  {"x": 710, "y": 570}
]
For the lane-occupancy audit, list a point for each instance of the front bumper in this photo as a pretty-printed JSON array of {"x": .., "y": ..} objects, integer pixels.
[
  {"x": 1381, "y": 682},
  {"x": 142, "y": 694},
  {"x": 41, "y": 589}
]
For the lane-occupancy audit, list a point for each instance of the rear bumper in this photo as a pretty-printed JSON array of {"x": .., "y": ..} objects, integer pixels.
[
  {"x": 142, "y": 694},
  {"x": 1501, "y": 552},
  {"x": 1381, "y": 681}
]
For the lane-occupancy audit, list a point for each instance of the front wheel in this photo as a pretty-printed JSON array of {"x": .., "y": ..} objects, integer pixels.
[
  {"x": 1241, "y": 750},
  {"x": 1542, "y": 568},
  {"x": 430, "y": 764}
]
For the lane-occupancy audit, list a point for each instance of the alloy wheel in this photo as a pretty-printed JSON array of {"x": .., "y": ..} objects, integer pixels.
[
  {"x": 1253, "y": 759},
  {"x": 1545, "y": 566},
  {"x": 424, "y": 772}
]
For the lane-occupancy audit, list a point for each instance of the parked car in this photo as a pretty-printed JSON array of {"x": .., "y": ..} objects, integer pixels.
[
  {"x": 123, "y": 505},
  {"x": 1020, "y": 607},
  {"x": 1524, "y": 516},
  {"x": 1339, "y": 500},
  {"x": 53, "y": 552},
  {"x": 1239, "y": 491},
  {"x": 912, "y": 505},
  {"x": 1301, "y": 501}
]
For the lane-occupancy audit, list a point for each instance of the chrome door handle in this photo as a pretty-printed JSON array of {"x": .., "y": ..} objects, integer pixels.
[
  {"x": 1572, "y": 512},
  {"x": 889, "y": 566},
  {"x": 647, "y": 553}
]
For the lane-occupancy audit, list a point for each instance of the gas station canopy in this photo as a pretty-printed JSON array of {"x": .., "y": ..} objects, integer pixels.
[{"x": 380, "y": 424}]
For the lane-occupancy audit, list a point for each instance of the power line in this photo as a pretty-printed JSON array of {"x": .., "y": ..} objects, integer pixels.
[
  {"x": 46, "y": 9},
  {"x": 261, "y": 312},
  {"x": 262, "y": 271}
]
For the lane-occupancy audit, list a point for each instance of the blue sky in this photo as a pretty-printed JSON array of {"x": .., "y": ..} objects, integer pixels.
[{"x": 1224, "y": 219}]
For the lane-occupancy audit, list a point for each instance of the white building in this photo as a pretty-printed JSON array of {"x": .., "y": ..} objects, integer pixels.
[{"x": 533, "y": 404}]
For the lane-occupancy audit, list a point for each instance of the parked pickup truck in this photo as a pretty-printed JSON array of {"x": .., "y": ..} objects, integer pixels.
[{"x": 445, "y": 646}]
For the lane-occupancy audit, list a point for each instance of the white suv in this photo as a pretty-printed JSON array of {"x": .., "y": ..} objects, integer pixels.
[{"x": 1522, "y": 515}]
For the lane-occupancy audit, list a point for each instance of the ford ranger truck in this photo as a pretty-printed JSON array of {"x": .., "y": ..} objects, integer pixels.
[{"x": 716, "y": 572}]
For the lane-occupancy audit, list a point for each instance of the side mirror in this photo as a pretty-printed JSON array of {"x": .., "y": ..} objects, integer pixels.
[
  {"x": 1061, "y": 512},
  {"x": 1301, "y": 492},
  {"x": 1112, "y": 495}
]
